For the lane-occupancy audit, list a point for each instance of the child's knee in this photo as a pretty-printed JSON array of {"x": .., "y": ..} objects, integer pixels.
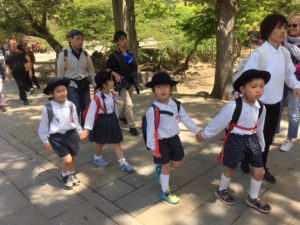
[
  {"x": 166, "y": 168},
  {"x": 68, "y": 159},
  {"x": 176, "y": 164},
  {"x": 258, "y": 173}
]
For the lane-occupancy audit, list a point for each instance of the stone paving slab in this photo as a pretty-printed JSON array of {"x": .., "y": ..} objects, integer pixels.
[{"x": 31, "y": 191}]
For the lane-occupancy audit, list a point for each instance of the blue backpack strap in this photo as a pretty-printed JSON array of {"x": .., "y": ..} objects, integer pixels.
[
  {"x": 66, "y": 53},
  {"x": 50, "y": 113}
]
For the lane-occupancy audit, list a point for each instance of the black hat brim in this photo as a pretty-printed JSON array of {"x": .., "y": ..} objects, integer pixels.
[
  {"x": 53, "y": 85},
  {"x": 151, "y": 84},
  {"x": 249, "y": 75}
]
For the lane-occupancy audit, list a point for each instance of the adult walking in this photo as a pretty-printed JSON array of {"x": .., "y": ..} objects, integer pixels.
[
  {"x": 123, "y": 66},
  {"x": 279, "y": 64},
  {"x": 16, "y": 65},
  {"x": 76, "y": 65}
]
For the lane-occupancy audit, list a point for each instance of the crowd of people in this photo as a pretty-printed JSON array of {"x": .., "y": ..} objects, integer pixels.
[{"x": 269, "y": 77}]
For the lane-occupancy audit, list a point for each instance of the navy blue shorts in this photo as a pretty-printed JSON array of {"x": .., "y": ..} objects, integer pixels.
[
  {"x": 65, "y": 144},
  {"x": 171, "y": 149},
  {"x": 239, "y": 147}
]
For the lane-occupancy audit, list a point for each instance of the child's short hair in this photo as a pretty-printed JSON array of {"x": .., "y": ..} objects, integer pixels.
[
  {"x": 118, "y": 35},
  {"x": 269, "y": 24},
  {"x": 101, "y": 78}
]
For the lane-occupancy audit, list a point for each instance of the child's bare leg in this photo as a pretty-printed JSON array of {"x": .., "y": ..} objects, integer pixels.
[
  {"x": 176, "y": 164},
  {"x": 67, "y": 164},
  {"x": 99, "y": 148},
  {"x": 119, "y": 151},
  {"x": 165, "y": 177},
  {"x": 72, "y": 165}
]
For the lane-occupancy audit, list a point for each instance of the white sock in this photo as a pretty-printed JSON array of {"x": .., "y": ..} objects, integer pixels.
[
  {"x": 254, "y": 188},
  {"x": 164, "y": 182},
  {"x": 96, "y": 157},
  {"x": 122, "y": 161},
  {"x": 65, "y": 174},
  {"x": 224, "y": 182}
]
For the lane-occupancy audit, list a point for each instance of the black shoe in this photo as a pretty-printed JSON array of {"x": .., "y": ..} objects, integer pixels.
[
  {"x": 245, "y": 167},
  {"x": 268, "y": 177},
  {"x": 124, "y": 120},
  {"x": 259, "y": 205},
  {"x": 133, "y": 131},
  {"x": 38, "y": 86},
  {"x": 224, "y": 197},
  {"x": 25, "y": 102}
]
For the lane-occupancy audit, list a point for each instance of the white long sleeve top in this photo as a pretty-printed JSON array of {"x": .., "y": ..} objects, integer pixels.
[
  {"x": 281, "y": 70},
  {"x": 248, "y": 118},
  {"x": 110, "y": 104},
  {"x": 168, "y": 125},
  {"x": 62, "y": 120}
]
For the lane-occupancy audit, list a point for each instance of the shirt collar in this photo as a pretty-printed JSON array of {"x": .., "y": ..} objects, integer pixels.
[
  {"x": 76, "y": 54},
  {"x": 56, "y": 104},
  {"x": 170, "y": 103},
  {"x": 271, "y": 48},
  {"x": 256, "y": 104}
]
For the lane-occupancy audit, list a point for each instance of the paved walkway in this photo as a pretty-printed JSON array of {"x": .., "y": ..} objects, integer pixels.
[{"x": 31, "y": 192}]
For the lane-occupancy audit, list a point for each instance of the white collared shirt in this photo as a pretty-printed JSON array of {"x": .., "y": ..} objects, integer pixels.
[
  {"x": 247, "y": 119},
  {"x": 62, "y": 120},
  {"x": 280, "y": 70},
  {"x": 110, "y": 104},
  {"x": 168, "y": 125}
]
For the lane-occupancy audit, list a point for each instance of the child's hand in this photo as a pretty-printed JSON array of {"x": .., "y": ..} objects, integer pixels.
[
  {"x": 48, "y": 146},
  {"x": 84, "y": 134},
  {"x": 157, "y": 156},
  {"x": 200, "y": 138}
]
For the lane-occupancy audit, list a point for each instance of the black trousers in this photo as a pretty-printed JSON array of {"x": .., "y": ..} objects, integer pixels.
[
  {"x": 31, "y": 81},
  {"x": 21, "y": 83},
  {"x": 271, "y": 122}
]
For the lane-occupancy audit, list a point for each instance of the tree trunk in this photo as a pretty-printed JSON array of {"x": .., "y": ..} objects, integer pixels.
[
  {"x": 225, "y": 48},
  {"x": 118, "y": 13},
  {"x": 130, "y": 27}
]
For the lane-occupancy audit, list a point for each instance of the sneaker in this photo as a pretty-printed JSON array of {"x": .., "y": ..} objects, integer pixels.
[
  {"x": 258, "y": 204},
  {"x": 68, "y": 182},
  {"x": 169, "y": 197},
  {"x": 75, "y": 180},
  {"x": 133, "y": 131},
  {"x": 100, "y": 162},
  {"x": 124, "y": 120},
  {"x": 224, "y": 197},
  {"x": 25, "y": 102},
  {"x": 158, "y": 169},
  {"x": 286, "y": 146},
  {"x": 126, "y": 167},
  {"x": 245, "y": 167},
  {"x": 31, "y": 90},
  {"x": 268, "y": 177}
]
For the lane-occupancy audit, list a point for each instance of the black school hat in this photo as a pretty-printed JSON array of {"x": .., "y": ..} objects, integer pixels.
[
  {"x": 161, "y": 78},
  {"x": 101, "y": 78},
  {"x": 248, "y": 75},
  {"x": 53, "y": 83}
]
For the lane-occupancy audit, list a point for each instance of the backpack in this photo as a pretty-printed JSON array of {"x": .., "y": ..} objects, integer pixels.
[
  {"x": 262, "y": 64},
  {"x": 50, "y": 112},
  {"x": 99, "y": 106},
  {"x": 233, "y": 123},
  {"x": 66, "y": 53},
  {"x": 157, "y": 113}
]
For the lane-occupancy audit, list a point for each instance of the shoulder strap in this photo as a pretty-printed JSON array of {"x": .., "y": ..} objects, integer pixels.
[
  {"x": 66, "y": 59},
  {"x": 237, "y": 110},
  {"x": 260, "y": 109},
  {"x": 85, "y": 53},
  {"x": 262, "y": 58},
  {"x": 178, "y": 103},
  {"x": 71, "y": 107},
  {"x": 99, "y": 104},
  {"x": 49, "y": 113}
]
